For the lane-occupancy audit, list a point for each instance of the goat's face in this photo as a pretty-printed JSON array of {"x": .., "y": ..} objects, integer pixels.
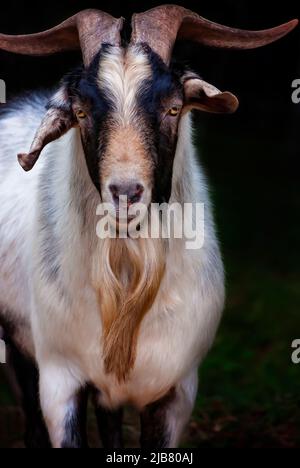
[{"x": 128, "y": 106}]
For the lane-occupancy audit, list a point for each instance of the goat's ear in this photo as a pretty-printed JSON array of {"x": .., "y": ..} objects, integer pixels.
[
  {"x": 57, "y": 121},
  {"x": 203, "y": 96}
]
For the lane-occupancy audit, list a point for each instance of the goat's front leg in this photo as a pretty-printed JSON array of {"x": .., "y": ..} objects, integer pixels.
[
  {"x": 64, "y": 406},
  {"x": 163, "y": 422},
  {"x": 109, "y": 424}
]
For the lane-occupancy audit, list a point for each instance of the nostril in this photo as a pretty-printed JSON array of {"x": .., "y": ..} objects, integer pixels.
[
  {"x": 139, "y": 189},
  {"x": 132, "y": 191},
  {"x": 135, "y": 193},
  {"x": 114, "y": 189}
]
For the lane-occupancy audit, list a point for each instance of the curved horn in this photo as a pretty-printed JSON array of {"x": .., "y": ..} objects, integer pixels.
[
  {"x": 162, "y": 26},
  {"x": 86, "y": 31}
]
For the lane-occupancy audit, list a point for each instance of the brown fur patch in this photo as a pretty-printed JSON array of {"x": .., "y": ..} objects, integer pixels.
[
  {"x": 129, "y": 282},
  {"x": 126, "y": 156}
]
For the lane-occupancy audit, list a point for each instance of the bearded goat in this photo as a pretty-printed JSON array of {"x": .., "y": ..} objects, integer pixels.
[{"x": 127, "y": 319}]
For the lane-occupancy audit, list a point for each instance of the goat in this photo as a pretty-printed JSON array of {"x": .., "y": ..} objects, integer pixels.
[{"x": 130, "y": 319}]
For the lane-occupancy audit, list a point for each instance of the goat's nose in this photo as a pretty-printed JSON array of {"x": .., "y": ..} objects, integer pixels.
[{"x": 133, "y": 191}]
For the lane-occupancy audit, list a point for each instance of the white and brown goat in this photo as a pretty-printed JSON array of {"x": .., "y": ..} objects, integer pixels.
[{"x": 131, "y": 319}]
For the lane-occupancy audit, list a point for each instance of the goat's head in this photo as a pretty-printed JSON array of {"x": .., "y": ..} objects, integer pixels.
[{"x": 128, "y": 100}]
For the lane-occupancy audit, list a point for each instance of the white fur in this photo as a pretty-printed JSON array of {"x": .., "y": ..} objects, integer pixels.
[
  {"x": 58, "y": 322},
  {"x": 121, "y": 73}
]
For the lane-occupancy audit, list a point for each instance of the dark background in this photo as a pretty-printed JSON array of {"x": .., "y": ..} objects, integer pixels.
[{"x": 250, "y": 391}]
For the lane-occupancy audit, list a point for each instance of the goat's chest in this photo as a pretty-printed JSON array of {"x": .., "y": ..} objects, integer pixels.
[
  {"x": 168, "y": 345},
  {"x": 163, "y": 356},
  {"x": 174, "y": 336}
]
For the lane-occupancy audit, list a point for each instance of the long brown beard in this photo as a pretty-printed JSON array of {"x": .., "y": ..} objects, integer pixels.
[{"x": 128, "y": 282}]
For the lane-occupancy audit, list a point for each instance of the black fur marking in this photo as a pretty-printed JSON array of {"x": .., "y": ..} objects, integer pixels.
[
  {"x": 7, "y": 325},
  {"x": 109, "y": 426},
  {"x": 154, "y": 435},
  {"x": 164, "y": 84},
  {"x": 75, "y": 423},
  {"x": 82, "y": 85}
]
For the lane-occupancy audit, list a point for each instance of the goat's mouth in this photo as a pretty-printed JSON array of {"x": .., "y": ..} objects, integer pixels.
[
  {"x": 125, "y": 215},
  {"x": 125, "y": 206}
]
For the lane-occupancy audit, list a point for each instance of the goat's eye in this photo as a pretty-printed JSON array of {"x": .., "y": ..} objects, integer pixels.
[
  {"x": 81, "y": 115},
  {"x": 174, "y": 111}
]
